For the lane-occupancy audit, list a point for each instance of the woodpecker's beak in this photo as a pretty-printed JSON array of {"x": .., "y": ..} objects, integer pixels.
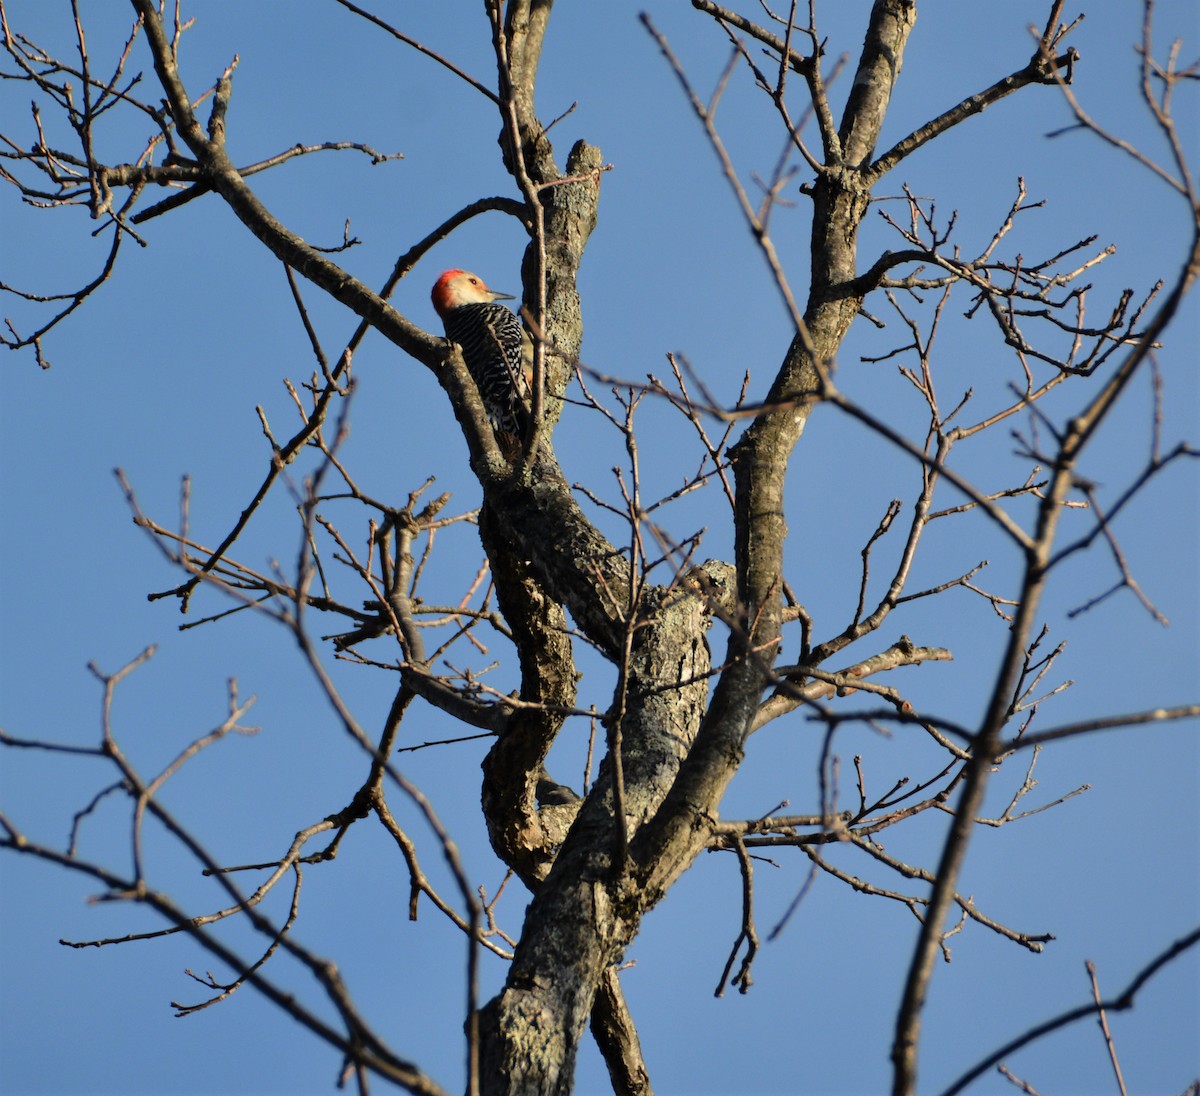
[{"x": 502, "y": 296}]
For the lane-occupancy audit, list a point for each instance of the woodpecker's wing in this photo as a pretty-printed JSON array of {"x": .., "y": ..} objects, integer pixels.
[{"x": 491, "y": 338}]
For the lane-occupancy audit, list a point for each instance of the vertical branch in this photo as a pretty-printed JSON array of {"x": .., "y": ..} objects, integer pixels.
[
  {"x": 514, "y": 129},
  {"x": 631, "y": 611},
  {"x": 1102, "y": 1021},
  {"x": 1038, "y": 564}
]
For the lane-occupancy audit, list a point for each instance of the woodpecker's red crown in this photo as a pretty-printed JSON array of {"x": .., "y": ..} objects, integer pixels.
[{"x": 459, "y": 287}]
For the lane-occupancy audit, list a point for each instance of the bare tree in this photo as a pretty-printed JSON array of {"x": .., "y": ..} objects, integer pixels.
[{"x": 579, "y": 571}]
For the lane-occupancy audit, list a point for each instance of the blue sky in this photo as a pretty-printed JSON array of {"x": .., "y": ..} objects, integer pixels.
[{"x": 159, "y": 374}]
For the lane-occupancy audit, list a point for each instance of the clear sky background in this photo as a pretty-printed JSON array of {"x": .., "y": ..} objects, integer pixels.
[{"x": 160, "y": 372}]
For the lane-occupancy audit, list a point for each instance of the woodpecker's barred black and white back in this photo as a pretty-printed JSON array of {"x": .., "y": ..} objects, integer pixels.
[{"x": 491, "y": 339}]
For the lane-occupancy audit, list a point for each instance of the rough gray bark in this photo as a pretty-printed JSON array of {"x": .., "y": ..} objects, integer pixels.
[{"x": 680, "y": 752}]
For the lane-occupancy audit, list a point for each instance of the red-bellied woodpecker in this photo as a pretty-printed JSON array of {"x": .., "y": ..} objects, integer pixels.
[{"x": 492, "y": 342}]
